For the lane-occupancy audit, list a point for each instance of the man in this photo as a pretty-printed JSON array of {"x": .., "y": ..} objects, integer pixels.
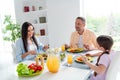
[{"x": 82, "y": 37}]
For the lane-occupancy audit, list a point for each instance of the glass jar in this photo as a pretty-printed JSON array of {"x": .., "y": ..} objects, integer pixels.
[{"x": 53, "y": 63}]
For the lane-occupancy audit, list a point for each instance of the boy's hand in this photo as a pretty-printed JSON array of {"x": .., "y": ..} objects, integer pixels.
[{"x": 84, "y": 58}]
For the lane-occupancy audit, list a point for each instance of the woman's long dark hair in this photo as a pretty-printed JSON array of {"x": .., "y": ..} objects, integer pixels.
[
  {"x": 106, "y": 42},
  {"x": 24, "y": 33}
]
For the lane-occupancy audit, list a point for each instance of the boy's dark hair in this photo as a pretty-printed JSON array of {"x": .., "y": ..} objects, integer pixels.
[
  {"x": 105, "y": 41},
  {"x": 81, "y": 18}
]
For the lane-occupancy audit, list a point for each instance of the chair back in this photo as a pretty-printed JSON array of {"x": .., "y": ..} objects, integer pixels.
[
  {"x": 14, "y": 53},
  {"x": 114, "y": 68}
]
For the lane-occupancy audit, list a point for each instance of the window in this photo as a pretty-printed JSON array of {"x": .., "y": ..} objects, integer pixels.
[
  {"x": 5, "y": 10},
  {"x": 103, "y": 17}
]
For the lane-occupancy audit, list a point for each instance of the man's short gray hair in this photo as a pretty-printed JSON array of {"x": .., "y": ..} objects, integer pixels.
[{"x": 81, "y": 18}]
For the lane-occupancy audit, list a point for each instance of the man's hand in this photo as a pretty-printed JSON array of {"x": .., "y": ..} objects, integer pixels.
[
  {"x": 66, "y": 46},
  {"x": 87, "y": 47}
]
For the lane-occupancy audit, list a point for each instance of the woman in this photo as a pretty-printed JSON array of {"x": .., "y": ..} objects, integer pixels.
[{"x": 27, "y": 47}]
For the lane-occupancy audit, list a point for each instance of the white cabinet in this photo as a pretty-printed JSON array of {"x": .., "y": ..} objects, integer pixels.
[{"x": 35, "y": 12}]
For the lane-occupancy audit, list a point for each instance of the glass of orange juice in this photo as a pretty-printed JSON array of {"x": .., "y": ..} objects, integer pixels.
[
  {"x": 69, "y": 60},
  {"x": 63, "y": 48}
]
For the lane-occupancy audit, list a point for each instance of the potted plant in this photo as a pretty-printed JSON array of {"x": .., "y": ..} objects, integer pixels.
[{"x": 11, "y": 30}]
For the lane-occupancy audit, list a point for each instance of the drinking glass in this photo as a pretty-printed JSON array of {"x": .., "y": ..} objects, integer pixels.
[
  {"x": 63, "y": 48},
  {"x": 69, "y": 60}
]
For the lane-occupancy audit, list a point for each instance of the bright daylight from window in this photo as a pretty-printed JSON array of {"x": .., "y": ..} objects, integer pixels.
[
  {"x": 5, "y": 46},
  {"x": 103, "y": 17},
  {"x": 5, "y": 10}
]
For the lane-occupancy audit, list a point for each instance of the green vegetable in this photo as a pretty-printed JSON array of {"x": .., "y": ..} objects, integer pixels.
[
  {"x": 62, "y": 56},
  {"x": 31, "y": 71},
  {"x": 23, "y": 69}
]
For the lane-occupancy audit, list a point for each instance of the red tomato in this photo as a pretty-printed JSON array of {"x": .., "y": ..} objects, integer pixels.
[
  {"x": 39, "y": 67},
  {"x": 71, "y": 50},
  {"x": 33, "y": 64},
  {"x": 33, "y": 67},
  {"x": 79, "y": 59}
]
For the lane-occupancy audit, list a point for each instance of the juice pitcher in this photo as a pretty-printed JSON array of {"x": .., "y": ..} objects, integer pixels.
[{"x": 53, "y": 63}]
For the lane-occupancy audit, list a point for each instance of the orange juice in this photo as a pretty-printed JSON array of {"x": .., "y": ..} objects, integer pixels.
[
  {"x": 63, "y": 47},
  {"x": 53, "y": 63},
  {"x": 69, "y": 59}
]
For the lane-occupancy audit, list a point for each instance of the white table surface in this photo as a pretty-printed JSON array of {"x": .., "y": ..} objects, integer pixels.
[{"x": 64, "y": 73}]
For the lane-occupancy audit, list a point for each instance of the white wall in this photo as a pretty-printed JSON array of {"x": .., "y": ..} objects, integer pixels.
[
  {"x": 20, "y": 18},
  {"x": 61, "y": 18}
]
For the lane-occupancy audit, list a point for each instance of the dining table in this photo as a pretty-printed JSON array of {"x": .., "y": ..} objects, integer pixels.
[{"x": 64, "y": 73}]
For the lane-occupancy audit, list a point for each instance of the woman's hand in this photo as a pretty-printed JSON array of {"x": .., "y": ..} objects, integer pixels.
[
  {"x": 46, "y": 47},
  {"x": 32, "y": 52}
]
